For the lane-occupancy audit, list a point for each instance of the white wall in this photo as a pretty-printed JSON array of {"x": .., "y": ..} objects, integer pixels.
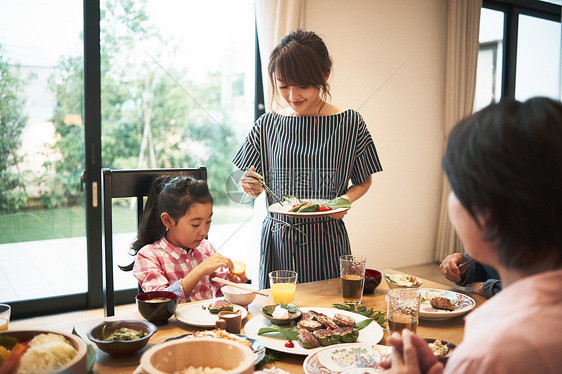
[{"x": 395, "y": 224}]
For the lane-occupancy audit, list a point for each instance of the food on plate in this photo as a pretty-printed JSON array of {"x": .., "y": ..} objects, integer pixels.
[
  {"x": 307, "y": 340},
  {"x": 441, "y": 303},
  {"x": 280, "y": 313},
  {"x": 222, "y": 334},
  {"x": 120, "y": 334},
  {"x": 309, "y": 324},
  {"x": 42, "y": 354},
  {"x": 305, "y": 206},
  {"x": 239, "y": 267},
  {"x": 326, "y": 337},
  {"x": 343, "y": 320},
  {"x": 404, "y": 280},
  {"x": 220, "y": 306},
  {"x": 347, "y": 334},
  {"x": 439, "y": 349}
]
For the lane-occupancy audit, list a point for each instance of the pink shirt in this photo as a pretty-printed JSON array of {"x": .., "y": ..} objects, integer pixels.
[
  {"x": 519, "y": 330},
  {"x": 161, "y": 264}
]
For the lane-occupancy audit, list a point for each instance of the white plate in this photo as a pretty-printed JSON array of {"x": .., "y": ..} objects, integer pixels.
[
  {"x": 346, "y": 358},
  {"x": 371, "y": 334},
  {"x": 462, "y": 303},
  {"x": 193, "y": 314},
  {"x": 284, "y": 210}
]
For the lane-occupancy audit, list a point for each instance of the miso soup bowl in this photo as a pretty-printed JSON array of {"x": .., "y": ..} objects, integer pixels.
[{"x": 157, "y": 306}]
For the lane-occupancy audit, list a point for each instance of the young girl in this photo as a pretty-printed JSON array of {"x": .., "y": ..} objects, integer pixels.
[
  {"x": 312, "y": 150},
  {"x": 171, "y": 249}
]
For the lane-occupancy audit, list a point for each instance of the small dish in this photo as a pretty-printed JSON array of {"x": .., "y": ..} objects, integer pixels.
[
  {"x": 372, "y": 280},
  {"x": 267, "y": 312},
  {"x": 238, "y": 296},
  {"x": 442, "y": 350},
  {"x": 402, "y": 281},
  {"x": 122, "y": 348}
]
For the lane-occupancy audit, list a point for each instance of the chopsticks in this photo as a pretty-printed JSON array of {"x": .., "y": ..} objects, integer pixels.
[
  {"x": 238, "y": 285},
  {"x": 267, "y": 189},
  {"x": 466, "y": 265}
]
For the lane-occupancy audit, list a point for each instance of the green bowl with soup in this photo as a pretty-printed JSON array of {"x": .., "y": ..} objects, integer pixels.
[{"x": 157, "y": 306}]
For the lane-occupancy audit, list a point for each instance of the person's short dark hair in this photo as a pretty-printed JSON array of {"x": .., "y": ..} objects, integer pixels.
[{"x": 504, "y": 163}]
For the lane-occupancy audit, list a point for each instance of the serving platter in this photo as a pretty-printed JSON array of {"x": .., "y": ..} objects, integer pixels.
[
  {"x": 348, "y": 358},
  {"x": 372, "y": 334},
  {"x": 197, "y": 314},
  {"x": 284, "y": 210},
  {"x": 463, "y": 304}
]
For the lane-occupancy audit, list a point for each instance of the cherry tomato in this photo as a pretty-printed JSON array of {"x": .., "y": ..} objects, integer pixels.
[
  {"x": 323, "y": 208},
  {"x": 289, "y": 344}
]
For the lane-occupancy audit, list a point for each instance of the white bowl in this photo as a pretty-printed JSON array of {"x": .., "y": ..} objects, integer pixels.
[
  {"x": 415, "y": 282},
  {"x": 237, "y": 296},
  {"x": 75, "y": 366},
  {"x": 180, "y": 354}
]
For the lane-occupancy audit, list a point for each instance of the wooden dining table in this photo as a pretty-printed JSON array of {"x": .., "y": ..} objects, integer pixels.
[{"x": 321, "y": 294}]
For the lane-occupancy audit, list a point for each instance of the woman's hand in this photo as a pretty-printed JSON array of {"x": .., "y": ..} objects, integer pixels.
[
  {"x": 450, "y": 267},
  {"x": 411, "y": 355},
  {"x": 250, "y": 185}
]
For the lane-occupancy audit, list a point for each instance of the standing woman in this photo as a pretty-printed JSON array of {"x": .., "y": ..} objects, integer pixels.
[{"x": 312, "y": 150}]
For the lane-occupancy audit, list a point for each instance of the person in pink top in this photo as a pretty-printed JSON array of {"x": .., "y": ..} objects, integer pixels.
[
  {"x": 171, "y": 250},
  {"x": 504, "y": 165}
]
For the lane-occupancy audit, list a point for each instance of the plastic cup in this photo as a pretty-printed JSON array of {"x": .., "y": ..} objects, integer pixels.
[{"x": 283, "y": 284}]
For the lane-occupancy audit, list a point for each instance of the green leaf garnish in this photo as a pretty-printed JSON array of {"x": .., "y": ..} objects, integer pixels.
[
  {"x": 91, "y": 354},
  {"x": 362, "y": 324},
  {"x": 376, "y": 315},
  {"x": 338, "y": 202},
  {"x": 269, "y": 357},
  {"x": 291, "y": 308},
  {"x": 290, "y": 334}
]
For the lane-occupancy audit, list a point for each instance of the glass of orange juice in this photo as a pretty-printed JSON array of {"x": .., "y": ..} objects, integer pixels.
[
  {"x": 283, "y": 284},
  {"x": 5, "y": 311}
]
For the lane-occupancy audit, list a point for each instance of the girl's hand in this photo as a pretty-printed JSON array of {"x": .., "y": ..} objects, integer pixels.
[
  {"x": 450, "y": 267},
  {"x": 212, "y": 263},
  {"x": 250, "y": 185},
  {"x": 410, "y": 354},
  {"x": 237, "y": 278}
]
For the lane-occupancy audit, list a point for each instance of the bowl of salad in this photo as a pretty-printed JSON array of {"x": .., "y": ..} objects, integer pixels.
[
  {"x": 402, "y": 280},
  {"x": 122, "y": 338}
]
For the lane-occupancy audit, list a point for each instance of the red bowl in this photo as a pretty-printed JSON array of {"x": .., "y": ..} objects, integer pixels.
[{"x": 372, "y": 280}]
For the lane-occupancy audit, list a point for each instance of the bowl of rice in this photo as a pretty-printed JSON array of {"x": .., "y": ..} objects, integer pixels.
[
  {"x": 46, "y": 351},
  {"x": 198, "y": 356}
]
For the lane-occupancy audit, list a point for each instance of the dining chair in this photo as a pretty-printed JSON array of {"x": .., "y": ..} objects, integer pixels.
[{"x": 129, "y": 184}]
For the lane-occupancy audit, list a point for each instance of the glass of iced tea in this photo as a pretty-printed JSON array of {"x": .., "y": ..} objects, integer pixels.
[
  {"x": 5, "y": 312},
  {"x": 352, "y": 272},
  {"x": 403, "y": 309},
  {"x": 283, "y": 284}
]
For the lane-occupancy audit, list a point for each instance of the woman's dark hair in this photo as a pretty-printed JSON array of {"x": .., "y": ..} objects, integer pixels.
[
  {"x": 173, "y": 196},
  {"x": 504, "y": 164},
  {"x": 300, "y": 59}
]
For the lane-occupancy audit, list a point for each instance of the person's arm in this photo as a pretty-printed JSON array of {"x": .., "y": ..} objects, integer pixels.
[
  {"x": 251, "y": 186},
  {"x": 207, "y": 267},
  {"x": 354, "y": 193}
]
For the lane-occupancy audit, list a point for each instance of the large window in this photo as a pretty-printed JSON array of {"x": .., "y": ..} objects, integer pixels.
[
  {"x": 177, "y": 90},
  {"x": 519, "y": 57}
]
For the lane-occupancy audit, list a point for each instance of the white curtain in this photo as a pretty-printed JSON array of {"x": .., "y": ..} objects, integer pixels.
[
  {"x": 275, "y": 19},
  {"x": 463, "y": 25}
]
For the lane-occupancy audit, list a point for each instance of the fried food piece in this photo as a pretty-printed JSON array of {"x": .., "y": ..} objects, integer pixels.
[
  {"x": 343, "y": 320},
  {"x": 441, "y": 303},
  {"x": 307, "y": 340},
  {"x": 326, "y": 321},
  {"x": 326, "y": 337},
  {"x": 347, "y": 334},
  {"x": 309, "y": 324},
  {"x": 219, "y": 306}
]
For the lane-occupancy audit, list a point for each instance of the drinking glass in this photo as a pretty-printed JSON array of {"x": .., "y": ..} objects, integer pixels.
[
  {"x": 403, "y": 309},
  {"x": 283, "y": 284},
  {"x": 352, "y": 272},
  {"x": 5, "y": 311}
]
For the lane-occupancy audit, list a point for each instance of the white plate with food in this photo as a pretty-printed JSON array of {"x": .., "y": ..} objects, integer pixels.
[
  {"x": 198, "y": 314},
  {"x": 372, "y": 334},
  {"x": 446, "y": 304},
  {"x": 348, "y": 358},
  {"x": 287, "y": 206},
  {"x": 259, "y": 350}
]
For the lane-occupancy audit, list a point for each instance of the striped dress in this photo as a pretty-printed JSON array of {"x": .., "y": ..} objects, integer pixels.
[{"x": 308, "y": 157}]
